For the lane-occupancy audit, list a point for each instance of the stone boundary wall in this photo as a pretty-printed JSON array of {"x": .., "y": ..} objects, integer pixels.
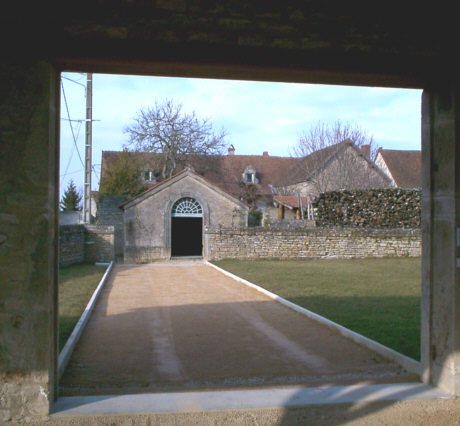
[
  {"x": 109, "y": 213},
  {"x": 260, "y": 243},
  {"x": 99, "y": 243},
  {"x": 85, "y": 243},
  {"x": 71, "y": 244}
]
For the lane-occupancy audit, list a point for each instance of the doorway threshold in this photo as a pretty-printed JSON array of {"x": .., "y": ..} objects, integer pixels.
[
  {"x": 203, "y": 401},
  {"x": 186, "y": 258}
]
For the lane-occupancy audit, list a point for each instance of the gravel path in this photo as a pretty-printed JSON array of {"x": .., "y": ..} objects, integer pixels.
[{"x": 184, "y": 325}]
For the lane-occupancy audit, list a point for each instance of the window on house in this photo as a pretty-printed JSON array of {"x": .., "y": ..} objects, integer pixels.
[
  {"x": 149, "y": 176},
  {"x": 249, "y": 175}
]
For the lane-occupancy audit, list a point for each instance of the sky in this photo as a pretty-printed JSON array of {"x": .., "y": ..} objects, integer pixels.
[{"x": 257, "y": 116}]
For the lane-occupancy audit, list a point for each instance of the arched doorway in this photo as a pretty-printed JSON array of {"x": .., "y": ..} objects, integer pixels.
[{"x": 186, "y": 228}]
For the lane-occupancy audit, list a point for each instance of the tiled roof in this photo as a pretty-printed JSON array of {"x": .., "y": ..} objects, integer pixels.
[
  {"x": 184, "y": 172},
  {"x": 405, "y": 167},
  {"x": 290, "y": 201},
  {"x": 269, "y": 171},
  {"x": 226, "y": 172},
  {"x": 307, "y": 166}
]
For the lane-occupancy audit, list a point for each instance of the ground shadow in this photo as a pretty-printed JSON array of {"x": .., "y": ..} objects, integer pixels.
[
  {"x": 248, "y": 344},
  {"x": 215, "y": 346}
]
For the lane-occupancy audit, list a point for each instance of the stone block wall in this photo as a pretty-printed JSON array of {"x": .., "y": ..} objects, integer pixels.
[
  {"x": 71, "y": 244},
  {"x": 135, "y": 254},
  {"x": 99, "y": 243},
  {"x": 109, "y": 213},
  {"x": 85, "y": 243},
  {"x": 260, "y": 243}
]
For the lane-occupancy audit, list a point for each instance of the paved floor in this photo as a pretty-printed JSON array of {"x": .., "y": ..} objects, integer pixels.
[{"x": 186, "y": 326}]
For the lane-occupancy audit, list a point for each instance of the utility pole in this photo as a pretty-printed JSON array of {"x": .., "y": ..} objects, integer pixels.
[{"x": 88, "y": 149}]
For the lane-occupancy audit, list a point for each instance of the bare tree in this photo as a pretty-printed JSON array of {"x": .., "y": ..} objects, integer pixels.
[
  {"x": 323, "y": 135},
  {"x": 335, "y": 157},
  {"x": 176, "y": 136}
]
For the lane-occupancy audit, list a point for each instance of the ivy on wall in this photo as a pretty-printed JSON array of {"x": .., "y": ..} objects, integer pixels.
[{"x": 376, "y": 208}]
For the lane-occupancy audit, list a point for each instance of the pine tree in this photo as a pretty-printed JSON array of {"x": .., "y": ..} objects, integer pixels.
[{"x": 71, "y": 199}]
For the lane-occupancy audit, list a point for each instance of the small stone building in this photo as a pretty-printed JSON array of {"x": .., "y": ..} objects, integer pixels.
[{"x": 170, "y": 218}]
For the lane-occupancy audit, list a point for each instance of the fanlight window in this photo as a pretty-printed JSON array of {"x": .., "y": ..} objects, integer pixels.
[{"x": 187, "y": 207}]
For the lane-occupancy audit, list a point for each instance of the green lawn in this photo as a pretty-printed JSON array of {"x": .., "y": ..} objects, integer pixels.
[
  {"x": 378, "y": 298},
  {"x": 76, "y": 286}
]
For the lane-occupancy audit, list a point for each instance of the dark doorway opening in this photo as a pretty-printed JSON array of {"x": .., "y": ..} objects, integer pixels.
[{"x": 186, "y": 236}]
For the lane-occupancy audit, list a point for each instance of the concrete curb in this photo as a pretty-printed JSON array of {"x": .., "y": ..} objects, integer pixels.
[
  {"x": 69, "y": 347},
  {"x": 409, "y": 364}
]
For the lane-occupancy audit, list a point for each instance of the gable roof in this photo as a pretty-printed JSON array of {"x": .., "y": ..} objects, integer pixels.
[
  {"x": 310, "y": 166},
  {"x": 313, "y": 163},
  {"x": 404, "y": 167},
  {"x": 187, "y": 172},
  {"x": 290, "y": 201},
  {"x": 225, "y": 172},
  {"x": 269, "y": 171}
]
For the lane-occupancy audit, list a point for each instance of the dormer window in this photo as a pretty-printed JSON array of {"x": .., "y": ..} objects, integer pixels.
[
  {"x": 249, "y": 175},
  {"x": 149, "y": 176}
]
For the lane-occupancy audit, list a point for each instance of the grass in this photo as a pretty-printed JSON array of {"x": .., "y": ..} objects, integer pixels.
[
  {"x": 76, "y": 286},
  {"x": 378, "y": 298}
]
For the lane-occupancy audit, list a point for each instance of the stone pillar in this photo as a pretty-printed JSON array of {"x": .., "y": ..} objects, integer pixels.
[
  {"x": 441, "y": 234},
  {"x": 28, "y": 239}
]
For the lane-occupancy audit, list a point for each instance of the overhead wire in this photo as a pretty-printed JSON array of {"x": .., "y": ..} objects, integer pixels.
[
  {"x": 74, "y": 138},
  {"x": 71, "y": 154},
  {"x": 70, "y": 123}
]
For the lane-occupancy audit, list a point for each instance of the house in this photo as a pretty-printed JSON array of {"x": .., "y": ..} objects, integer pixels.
[
  {"x": 70, "y": 217},
  {"x": 377, "y": 44},
  {"x": 292, "y": 207},
  {"x": 169, "y": 219},
  {"x": 256, "y": 180},
  {"x": 250, "y": 179},
  {"x": 336, "y": 167},
  {"x": 404, "y": 168}
]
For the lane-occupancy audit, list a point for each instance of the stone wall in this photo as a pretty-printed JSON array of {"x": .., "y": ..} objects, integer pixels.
[
  {"x": 109, "y": 213},
  {"x": 99, "y": 243},
  {"x": 71, "y": 244},
  {"x": 260, "y": 243},
  {"x": 85, "y": 243}
]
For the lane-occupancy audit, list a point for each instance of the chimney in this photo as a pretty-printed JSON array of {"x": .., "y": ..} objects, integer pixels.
[
  {"x": 231, "y": 150},
  {"x": 366, "y": 150},
  {"x": 265, "y": 154}
]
